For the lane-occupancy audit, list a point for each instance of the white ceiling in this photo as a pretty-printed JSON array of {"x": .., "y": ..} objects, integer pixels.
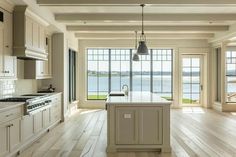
[
  {"x": 111, "y": 16},
  {"x": 147, "y": 9}
]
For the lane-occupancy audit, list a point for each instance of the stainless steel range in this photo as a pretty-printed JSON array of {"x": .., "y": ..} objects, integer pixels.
[{"x": 34, "y": 103}]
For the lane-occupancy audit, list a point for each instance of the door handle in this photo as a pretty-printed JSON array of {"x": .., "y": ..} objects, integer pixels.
[{"x": 201, "y": 87}]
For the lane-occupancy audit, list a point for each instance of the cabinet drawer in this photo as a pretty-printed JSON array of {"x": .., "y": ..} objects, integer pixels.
[{"x": 10, "y": 114}]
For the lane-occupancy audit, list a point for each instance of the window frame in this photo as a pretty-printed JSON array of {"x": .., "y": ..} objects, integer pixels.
[{"x": 131, "y": 69}]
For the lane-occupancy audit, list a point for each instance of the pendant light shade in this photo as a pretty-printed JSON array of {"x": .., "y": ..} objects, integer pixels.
[
  {"x": 135, "y": 56},
  {"x": 142, "y": 48}
]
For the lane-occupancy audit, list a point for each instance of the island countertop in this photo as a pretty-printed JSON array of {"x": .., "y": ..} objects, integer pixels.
[{"x": 138, "y": 98}]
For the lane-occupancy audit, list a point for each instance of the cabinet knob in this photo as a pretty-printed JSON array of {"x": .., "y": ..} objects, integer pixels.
[{"x": 7, "y": 46}]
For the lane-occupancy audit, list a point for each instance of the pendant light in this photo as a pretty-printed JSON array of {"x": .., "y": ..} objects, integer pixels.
[
  {"x": 135, "y": 56},
  {"x": 142, "y": 48}
]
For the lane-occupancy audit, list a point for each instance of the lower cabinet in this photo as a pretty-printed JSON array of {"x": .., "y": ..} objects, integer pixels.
[
  {"x": 139, "y": 125},
  {"x": 38, "y": 121},
  {"x": 126, "y": 125},
  {"x": 9, "y": 136},
  {"x": 46, "y": 118},
  {"x": 27, "y": 127}
]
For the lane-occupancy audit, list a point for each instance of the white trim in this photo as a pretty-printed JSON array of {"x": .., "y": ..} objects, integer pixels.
[{"x": 34, "y": 16}]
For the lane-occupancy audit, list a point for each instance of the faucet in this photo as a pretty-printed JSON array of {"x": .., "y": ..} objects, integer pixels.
[{"x": 125, "y": 89}]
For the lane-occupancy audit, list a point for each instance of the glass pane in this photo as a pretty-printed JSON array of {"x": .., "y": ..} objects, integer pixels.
[
  {"x": 195, "y": 62},
  {"x": 186, "y": 62},
  {"x": 187, "y": 88},
  {"x": 195, "y": 88}
]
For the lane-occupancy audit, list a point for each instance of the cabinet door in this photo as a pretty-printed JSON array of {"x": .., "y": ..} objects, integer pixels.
[
  {"x": 8, "y": 34},
  {"x": 29, "y": 32},
  {"x": 38, "y": 122},
  {"x": 35, "y": 35},
  {"x": 150, "y": 125},
  {"x": 40, "y": 68},
  {"x": 10, "y": 66},
  {"x": 9, "y": 60},
  {"x": 126, "y": 125},
  {"x": 1, "y": 49},
  {"x": 46, "y": 118},
  {"x": 14, "y": 134},
  {"x": 27, "y": 129},
  {"x": 4, "y": 139}
]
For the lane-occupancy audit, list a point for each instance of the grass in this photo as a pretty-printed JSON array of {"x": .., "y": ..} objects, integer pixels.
[{"x": 97, "y": 97}]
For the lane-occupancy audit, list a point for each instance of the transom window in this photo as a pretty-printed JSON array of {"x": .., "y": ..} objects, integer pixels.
[{"x": 110, "y": 69}]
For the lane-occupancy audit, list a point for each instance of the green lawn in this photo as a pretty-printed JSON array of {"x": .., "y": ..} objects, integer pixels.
[{"x": 97, "y": 97}]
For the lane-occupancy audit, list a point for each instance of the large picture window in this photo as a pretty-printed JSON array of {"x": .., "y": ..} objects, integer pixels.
[
  {"x": 98, "y": 72},
  {"x": 162, "y": 72},
  {"x": 231, "y": 76},
  {"x": 120, "y": 68},
  {"x": 141, "y": 74},
  {"x": 110, "y": 69}
]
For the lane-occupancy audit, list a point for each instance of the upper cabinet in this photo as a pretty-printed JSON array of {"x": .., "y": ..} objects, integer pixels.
[
  {"x": 29, "y": 34},
  {"x": 7, "y": 60},
  {"x": 40, "y": 69}
]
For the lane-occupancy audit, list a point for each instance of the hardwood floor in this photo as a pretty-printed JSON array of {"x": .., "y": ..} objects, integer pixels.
[{"x": 194, "y": 132}]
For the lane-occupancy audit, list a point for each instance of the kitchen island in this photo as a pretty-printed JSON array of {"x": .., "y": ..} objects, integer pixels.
[{"x": 138, "y": 122}]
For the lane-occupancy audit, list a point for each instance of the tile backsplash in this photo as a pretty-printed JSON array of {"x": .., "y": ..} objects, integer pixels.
[
  {"x": 7, "y": 88},
  {"x": 17, "y": 87}
]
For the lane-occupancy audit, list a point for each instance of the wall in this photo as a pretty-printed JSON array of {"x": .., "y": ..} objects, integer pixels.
[{"x": 179, "y": 46}]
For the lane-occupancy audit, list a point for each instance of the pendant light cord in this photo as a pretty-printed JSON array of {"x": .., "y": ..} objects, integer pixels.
[{"x": 142, "y": 5}]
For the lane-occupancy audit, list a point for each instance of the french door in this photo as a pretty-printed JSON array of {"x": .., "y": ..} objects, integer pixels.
[{"x": 192, "y": 80}]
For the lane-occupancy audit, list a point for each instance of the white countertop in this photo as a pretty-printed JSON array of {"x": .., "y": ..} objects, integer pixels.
[
  {"x": 8, "y": 105},
  {"x": 138, "y": 98}
]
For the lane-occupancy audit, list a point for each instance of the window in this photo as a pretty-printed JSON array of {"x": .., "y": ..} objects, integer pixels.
[
  {"x": 141, "y": 73},
  {"x": 110, "y": 69},
  {"x": 162, "y": 72},
  {"x": 120, "y": 68},
  {"x": 231, "y": 76},
  {"x": 97, "y": 73}
]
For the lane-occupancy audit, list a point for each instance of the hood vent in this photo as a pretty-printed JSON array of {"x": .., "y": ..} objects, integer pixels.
[{"x": 29, "y": 35}]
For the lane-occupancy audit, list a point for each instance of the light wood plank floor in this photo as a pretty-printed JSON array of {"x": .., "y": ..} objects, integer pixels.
[{"x": 194, "y": 132}]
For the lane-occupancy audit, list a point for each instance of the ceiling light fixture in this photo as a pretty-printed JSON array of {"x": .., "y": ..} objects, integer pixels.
[
  {"x": 142, "y": 48},
  {"x": 135, "y": 56}
]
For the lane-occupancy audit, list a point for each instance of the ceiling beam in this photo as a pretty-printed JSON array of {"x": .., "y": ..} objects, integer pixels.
[
  {"x": 134, "y": 2},
  {"x": 148, "y": 17},
  {"x": 162, "y": 29},
  {"x": 148, "y": 35}
]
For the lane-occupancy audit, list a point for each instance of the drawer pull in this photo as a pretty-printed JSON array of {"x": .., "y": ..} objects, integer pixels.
[{"x": 9, "y": 115}]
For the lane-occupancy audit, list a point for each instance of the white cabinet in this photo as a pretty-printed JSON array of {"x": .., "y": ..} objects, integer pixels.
[
  {"x": 40, "y": 69},
  {"x": 4, "y": 139},
  {"x": 38, "y": 122},
  {"x": 27, "y": 125},
  {"x": 139, "y": 125},
  {"x": 55, "y": 110},
  {"x": 150, "y": 125},
  {"x": 29, "y": 34},
  {"x": 7, "y": 60},
  {"x": 46, "y": 118},
  {"x": 126, "y": 124},
  {"x": 9, "y": 136}
]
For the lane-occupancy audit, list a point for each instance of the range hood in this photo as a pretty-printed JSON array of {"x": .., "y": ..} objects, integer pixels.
[
  {"x": 26, "y": 53},
  {"x": 29, "y": 38}
]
